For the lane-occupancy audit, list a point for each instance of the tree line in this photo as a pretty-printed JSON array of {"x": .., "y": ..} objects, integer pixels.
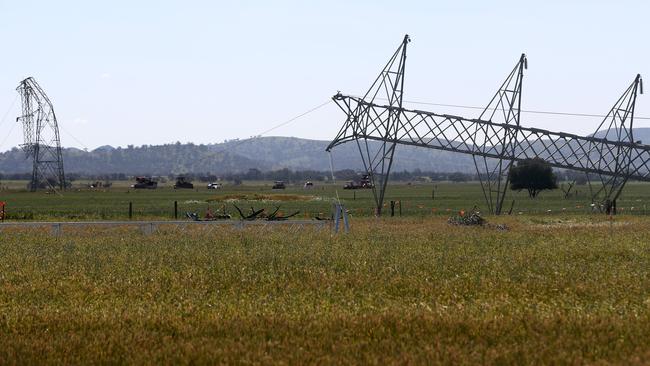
[{"x": 287, "y": 175}]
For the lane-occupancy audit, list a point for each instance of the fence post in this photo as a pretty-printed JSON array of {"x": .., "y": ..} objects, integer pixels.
[
  {"x": 130, "y": 210},
  {"x": 392, "y": 208},
  {"x": 176, "y": 210},
  {"x": 56, "y": 229},
  {"x": 340, "y": 214}
]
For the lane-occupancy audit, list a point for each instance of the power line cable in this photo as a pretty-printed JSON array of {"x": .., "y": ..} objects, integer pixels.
[
  {"x": 74, "y": 138},
  {"x": 4, "y": 119},
  {"x": 282, "y": 124},
  {"x": 9, "y": 134},
  {"x": 295, "y": 118},
  {"x": 60, "y": 126},
  {"x": 522, "y": 111},
  {"x": 8, "y": 110},
  {"x": 275, "y": 127}
]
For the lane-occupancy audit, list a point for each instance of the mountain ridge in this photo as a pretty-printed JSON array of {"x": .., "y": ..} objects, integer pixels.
[{"x": 234, "y": 156}]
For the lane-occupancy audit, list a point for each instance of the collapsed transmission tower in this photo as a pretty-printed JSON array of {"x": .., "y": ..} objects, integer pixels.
[
  {"x": 41, "y": 137},
  {"x": 495, "y": 139}
]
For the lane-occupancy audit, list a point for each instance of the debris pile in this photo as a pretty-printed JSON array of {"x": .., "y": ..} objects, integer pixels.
[
  {"x": 259, "y": 214},
  {"x": 472, "y": 219},
  {"x": 209, "y": 216}
]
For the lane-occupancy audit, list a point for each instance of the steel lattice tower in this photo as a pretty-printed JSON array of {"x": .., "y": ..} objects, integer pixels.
[
  {"x": 42, "y": 143},
  {"x": 495, "y": 139}
]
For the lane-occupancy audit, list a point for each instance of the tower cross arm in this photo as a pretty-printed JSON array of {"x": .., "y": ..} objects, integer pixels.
[{"x": 481, "y": 138}]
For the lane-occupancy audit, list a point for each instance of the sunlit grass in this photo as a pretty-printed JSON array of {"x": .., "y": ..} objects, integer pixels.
[{"x": 392, "y": 291}]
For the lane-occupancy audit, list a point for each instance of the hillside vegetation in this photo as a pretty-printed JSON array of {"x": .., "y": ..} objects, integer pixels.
[{"x": 263, "y": 153}]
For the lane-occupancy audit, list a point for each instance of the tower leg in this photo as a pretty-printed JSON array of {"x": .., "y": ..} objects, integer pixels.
[
  {"x": 503, "y": 108},
  {"x": 616, "y": 126},
  {"x": 364, "y": 119}
]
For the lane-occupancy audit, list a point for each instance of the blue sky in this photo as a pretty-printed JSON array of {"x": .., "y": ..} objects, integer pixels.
[{"x": 150, "y": 72}]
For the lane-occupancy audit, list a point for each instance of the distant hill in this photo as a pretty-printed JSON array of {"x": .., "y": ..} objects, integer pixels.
[
  {"x": 264, "y": 153},
  {"x": 143, "y": 160},
  {"x": 300, "y": 154},
  {"x": 640, "y": 134}
]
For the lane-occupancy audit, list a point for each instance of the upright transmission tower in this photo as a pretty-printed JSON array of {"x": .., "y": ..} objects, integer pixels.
[{"x": 41, "y": 137}]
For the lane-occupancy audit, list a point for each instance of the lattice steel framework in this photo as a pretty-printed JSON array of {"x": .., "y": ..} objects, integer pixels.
[
  {"x": 504, "y": 108},
  {"x": 388, "y": 86},
  {"x": 42, "y": 143},
  {"x": 495, "y": 139}
]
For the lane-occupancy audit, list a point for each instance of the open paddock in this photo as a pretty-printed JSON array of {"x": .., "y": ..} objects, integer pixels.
[{"x": 399, "y": 290}]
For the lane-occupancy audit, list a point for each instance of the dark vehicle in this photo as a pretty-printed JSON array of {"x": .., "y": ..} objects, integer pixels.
[
  {"x": 279, "y": 185},
  {"x": 351, "y": 185},
  {"x": 182, "y": 183},
  {"x": 144, "y": 183},
  {"x": 364, "y": 183}
]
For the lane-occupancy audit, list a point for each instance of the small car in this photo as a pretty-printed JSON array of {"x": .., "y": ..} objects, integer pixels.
[{"x": 214, "y": 185}]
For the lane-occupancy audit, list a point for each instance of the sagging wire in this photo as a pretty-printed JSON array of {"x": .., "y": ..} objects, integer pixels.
[
  {"x": 5, "y": 117},
  {"x": 522, "y": 111},
  {"x": 253, "y": 138}
]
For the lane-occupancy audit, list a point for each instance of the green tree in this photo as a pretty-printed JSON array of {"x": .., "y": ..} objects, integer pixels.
[{"x": 533, "y": 175}]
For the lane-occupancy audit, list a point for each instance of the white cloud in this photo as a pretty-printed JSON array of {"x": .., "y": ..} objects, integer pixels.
[{"x": 105, "y": 76}]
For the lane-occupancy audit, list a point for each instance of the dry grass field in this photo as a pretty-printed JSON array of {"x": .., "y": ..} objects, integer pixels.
[{"x": 550, "y": 290}]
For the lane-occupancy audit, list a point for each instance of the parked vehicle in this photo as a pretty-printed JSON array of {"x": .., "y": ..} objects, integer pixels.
[
  {"x": 308, "y": 185},
  {"x": 98, "y": 184},
  {"x": 144, "y": 183},
  {"x": 364, "y": 183},
  {"x": 181, "y": 182},
  {"x": 278, "y": 184},
  {"x": 214, "y": 185}
]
